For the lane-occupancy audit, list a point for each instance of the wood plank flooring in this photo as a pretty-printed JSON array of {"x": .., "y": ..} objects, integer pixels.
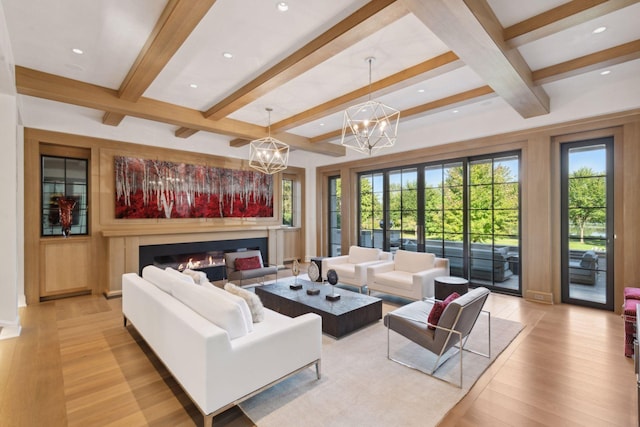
[{"x": 75, "y": 364}]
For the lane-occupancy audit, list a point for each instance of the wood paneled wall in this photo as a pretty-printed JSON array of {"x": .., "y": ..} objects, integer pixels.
[
  {"x": 540, "y": 198},
  {"x": 82, "y": 264}
]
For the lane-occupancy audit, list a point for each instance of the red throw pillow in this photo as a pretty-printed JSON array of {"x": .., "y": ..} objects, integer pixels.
[
  {"x": 438, "y": 309},
  {"x": 248, "y": 263}
]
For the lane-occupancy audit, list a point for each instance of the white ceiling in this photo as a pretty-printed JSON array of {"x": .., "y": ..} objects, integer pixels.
[{"x": 112, "y": 33}]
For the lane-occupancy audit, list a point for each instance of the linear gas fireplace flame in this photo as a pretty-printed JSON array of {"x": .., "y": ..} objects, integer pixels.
[{"x": 197, "y": 261}]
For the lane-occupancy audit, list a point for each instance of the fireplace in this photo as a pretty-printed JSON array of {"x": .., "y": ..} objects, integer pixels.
[{"x": 203, "y": 256}]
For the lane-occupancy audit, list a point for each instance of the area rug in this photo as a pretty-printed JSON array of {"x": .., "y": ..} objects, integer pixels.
[{"x": 360, "y": 386}]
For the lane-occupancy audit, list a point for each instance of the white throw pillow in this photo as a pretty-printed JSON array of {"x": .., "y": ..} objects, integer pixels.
[
  {"x": 244, "y": 307},
  {"x": 175, "y": 273},
  {"x": 161, "y": 278},
  {"x": 199, "y": 277},
  {"x": 253, "y": 301},
  {"x": 222, "y": 312}
]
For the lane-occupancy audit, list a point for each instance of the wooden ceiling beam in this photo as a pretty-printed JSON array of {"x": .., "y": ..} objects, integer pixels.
[
  {"x": 239, "y": 142},
  {"x": 178, "y": 19},
  {"x": 472, "y": 31},
  {"x": 604, "y": 58},
  {"x": 597, "y": 60},
  {"x": 428, "y": 69},
  {"x": 48, "y": 86},
  {"x": 365, "y": 21},
  {"x": 560, "y": 18}
]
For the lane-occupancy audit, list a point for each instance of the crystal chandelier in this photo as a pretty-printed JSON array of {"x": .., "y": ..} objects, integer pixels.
[
  {"x": 268, "y": 155},
  {"x": 370, "y": 126}
]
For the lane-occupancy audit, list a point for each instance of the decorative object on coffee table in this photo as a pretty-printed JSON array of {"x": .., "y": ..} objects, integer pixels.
[
  {"x": 313, "y": 272},
  {"x": 295, "y": 269},
  {"x": 332, "y": 278}
]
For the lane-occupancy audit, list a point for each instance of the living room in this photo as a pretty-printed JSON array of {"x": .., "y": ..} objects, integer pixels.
[{"x": 56, "y": 111}]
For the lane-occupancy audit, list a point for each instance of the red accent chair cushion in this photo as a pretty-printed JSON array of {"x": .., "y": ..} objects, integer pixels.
[
  {"x": 438, "y": 309},
  {"x": 631, "y": 293},
  {"x": 249, "y": 263}
]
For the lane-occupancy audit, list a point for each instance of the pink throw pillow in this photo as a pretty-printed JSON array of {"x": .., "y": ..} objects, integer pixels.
[
  {"x": 438, "y": 309},
  {"x": 248, "y": 263}
]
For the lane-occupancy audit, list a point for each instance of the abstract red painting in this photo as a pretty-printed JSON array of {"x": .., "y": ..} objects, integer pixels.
[{"x": 162, "y": 189}]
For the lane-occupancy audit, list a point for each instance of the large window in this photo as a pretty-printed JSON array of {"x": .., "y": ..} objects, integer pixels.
[
  {"x": 371, "y": 212},
  {"x": 287, "y": 201},
  {"x": 335, "y": 239},
  {"x": 402, "y": 209},
  {"x": 466, "y": 210}
]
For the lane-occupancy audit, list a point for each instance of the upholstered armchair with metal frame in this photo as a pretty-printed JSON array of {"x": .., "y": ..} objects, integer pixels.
[
  {"x": 452, "y": 330},
  {"x": 243, "y": 265}
]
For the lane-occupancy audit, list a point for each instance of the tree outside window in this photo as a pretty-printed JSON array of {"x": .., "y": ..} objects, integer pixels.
[{"x": 287, "y": 202}]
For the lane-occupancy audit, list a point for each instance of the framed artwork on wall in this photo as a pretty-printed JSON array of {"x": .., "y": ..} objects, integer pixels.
[{"x": 163, "y": 189}]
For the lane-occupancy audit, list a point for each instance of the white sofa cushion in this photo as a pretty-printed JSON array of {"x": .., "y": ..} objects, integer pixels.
[
  {"x": 184, "y": 277},
  {"x": 244, "y": 307},
  {"x": 199, "y": 277},
  {"x": 253, "y": 301},
  {"x": 359, "y": 254},
  {"x": 396, "y": 279},
  {"x": 163, "y": 279},
  {"x": 413, "y": 262},
  {"x": 223, "y": 312},
  {"x": 345, "y": 271}
]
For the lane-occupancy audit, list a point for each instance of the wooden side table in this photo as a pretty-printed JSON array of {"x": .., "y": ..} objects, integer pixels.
[{"x": 446, "y": 285}]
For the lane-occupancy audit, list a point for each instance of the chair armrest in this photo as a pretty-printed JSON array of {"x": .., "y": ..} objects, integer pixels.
[
  {"x": 442, "y": 263},
  {"x": 382, "y": 267},
  {"x": 424, "y": 280},
  {"x": 328, "y": 262}
]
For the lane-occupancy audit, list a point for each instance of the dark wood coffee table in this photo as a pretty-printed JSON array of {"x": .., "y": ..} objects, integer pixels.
[{"x": 350, "y": 312}]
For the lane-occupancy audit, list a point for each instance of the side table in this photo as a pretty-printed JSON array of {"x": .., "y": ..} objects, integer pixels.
[{"x": 446, "y": 285}]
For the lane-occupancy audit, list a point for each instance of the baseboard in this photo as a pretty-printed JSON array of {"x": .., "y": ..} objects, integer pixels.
[
  {"x": 112, "y": 294},
  {"x": 541, "y": 297}
]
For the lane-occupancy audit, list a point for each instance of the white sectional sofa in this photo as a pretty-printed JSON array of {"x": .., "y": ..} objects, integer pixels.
[
  {"x": 352, "y": 268},
  {"x": 217, "y": 364}
]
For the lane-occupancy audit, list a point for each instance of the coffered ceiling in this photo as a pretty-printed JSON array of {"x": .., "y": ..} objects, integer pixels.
[{"x": 164, "y": 61}]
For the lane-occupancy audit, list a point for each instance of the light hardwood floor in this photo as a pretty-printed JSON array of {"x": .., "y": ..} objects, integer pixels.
[{"x": 75, "y": 364}]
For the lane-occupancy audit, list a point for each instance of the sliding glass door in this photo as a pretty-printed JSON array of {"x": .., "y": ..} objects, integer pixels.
[
  {"x": 587, "y": 223},
  {"x": 466, "y": 210}
]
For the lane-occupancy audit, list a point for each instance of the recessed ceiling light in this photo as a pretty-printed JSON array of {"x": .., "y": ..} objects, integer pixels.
[
  {"x": 282, "y": 6},
  {"x": 455, "y": 111},
  {"x": 77, "y": 51},
  {"x": 599, "y": 30},
  {"x": 321, "y": 124},
  {"x": 420, "y": 90},
  {"x": 605, "y": 72},
  {"x": 227, "y": 55},
  {"x": 193, "y": 86}
]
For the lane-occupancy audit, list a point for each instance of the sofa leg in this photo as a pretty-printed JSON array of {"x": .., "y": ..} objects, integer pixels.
[
  {"x": 208, "y": 420},
  {"x": 318, "y": 370},
  {"x": 125, "y": 321}
]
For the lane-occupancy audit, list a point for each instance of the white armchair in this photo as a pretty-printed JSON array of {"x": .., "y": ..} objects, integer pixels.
[
  {"x": 409, "y": 275},
  {"x": 352, "y": 268}
]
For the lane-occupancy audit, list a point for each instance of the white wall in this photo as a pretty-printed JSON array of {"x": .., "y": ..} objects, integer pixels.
[
  {"x": 9, "y": 319},
  {"x": 11, "y": 279}
]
